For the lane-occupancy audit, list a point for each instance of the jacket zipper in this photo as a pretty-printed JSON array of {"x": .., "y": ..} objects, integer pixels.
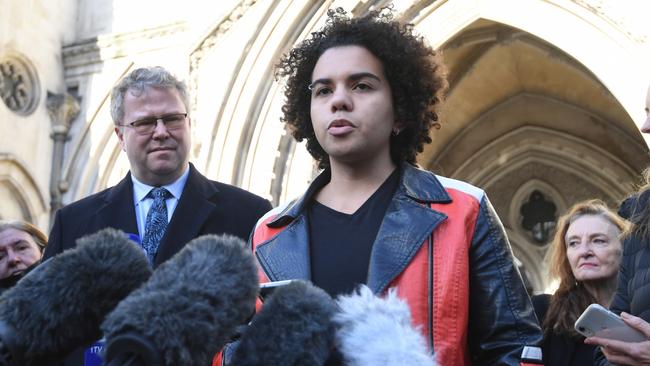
[{"x": 430, "y": 297}]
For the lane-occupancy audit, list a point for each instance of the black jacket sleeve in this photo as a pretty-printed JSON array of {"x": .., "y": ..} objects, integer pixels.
[{"x": 502, "y": 320}]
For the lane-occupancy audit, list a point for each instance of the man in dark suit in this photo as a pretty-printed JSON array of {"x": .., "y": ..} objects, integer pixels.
[
  {"x": 205, "y": 207},
  {"x": 149, "y": 108},
  {"x": 163, "y": 200}
]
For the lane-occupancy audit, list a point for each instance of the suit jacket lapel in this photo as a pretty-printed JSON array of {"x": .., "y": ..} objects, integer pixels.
[
  {"x": 193, "y": 209},
  {"x": 118, "y": 210}
]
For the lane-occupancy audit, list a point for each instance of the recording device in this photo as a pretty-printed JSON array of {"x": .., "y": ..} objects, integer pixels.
[
  {"x": 294, "y": 327},
  {"x": 60, "y": 305},
  {"x": 378, "y": 331},
  {"x": 600, "y": 322},
  {"x": 267, "y": 288},
  {"x": 188, "y": 310}
]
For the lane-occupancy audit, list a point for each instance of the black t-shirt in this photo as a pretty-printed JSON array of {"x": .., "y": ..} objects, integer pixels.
[{"x": 341, "y": 243}]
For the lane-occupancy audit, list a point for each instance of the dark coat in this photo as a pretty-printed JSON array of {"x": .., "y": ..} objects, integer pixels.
[
  {"x": 633, "y": 292},
  {"x": 561, "y": 349},
  {"x": 205, "y": 207}
]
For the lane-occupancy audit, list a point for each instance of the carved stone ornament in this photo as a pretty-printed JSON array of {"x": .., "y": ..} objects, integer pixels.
[{"x": 19, "y": 87}]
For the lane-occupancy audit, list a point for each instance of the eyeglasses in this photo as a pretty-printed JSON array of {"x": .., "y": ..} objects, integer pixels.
[{"x": 147, "y": 125}]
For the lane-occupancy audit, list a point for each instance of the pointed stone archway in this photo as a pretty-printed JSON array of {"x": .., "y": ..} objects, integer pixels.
[{"x": 525, "y": 98}]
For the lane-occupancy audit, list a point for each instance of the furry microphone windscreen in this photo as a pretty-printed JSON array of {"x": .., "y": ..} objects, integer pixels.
[
  {"x": 378, "y": 331},
  {"x": 294, "y": 327},
  {"x": 192, "y": 304},
  {"x": 60, "y": 305}
]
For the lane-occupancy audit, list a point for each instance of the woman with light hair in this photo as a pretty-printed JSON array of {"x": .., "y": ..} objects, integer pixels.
[
  {"x": 21, "y": 248},
  {"x": 585, "y": 256}
]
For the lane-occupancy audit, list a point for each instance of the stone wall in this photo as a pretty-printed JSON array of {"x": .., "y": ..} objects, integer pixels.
[{"x": 32, "y": 34}]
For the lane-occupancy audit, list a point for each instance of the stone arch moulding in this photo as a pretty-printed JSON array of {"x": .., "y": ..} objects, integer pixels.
[
  {"x": 555, "y": 149},
  {"x": 92, "y": 154},
  {"x": 17, "y": 179},
  {"x": 216, "y": 103},
  {"x": 101, "y": 166},
  {"x": 440, "y": 21},
  {"x": 233, "y": 124}
]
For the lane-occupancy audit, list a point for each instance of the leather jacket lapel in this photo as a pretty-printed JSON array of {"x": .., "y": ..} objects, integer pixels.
[
  {"x": 286, "y": 256},
  {"x": 406, "y": 225},
  {"x": 297, "y": 207},
  {"x": 404, "y": 229}
]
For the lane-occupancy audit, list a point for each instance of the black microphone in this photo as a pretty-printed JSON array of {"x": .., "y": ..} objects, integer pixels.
[
  {"x": 60, "y": 305},
  {"x": 378, "y": 331},
  {"x": 189, "y": 308},
  {"x": 294, "y": 327}
]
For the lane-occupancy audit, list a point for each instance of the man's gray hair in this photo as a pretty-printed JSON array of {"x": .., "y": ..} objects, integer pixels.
[{"x": 136, "y": 83}]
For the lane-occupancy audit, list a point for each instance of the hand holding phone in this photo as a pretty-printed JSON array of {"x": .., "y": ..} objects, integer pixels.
[{"x": 596, "y": 321}]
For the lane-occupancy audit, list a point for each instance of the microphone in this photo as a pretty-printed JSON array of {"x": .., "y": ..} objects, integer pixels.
[
  {"x": 60, "y": 305},
  {"x": 376, "y": 331},
  {"x": 189, "y": 308},
  {"x": 294, "y": 327}
]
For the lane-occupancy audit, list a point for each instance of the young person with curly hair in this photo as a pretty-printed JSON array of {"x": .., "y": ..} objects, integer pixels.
[
  {"x": 364, "y": 93},
  {"x": 585, "y": 256}
]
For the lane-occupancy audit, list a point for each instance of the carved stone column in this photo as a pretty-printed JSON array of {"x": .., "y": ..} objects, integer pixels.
[{"x": 63, "y": 109}]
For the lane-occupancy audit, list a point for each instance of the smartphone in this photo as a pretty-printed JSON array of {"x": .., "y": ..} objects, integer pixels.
[
  {"x": 266, "y": 289},
  {"x": 600, "y": 322}
]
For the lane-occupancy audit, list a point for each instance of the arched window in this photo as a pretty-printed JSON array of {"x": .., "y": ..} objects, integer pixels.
[{"x": 538, "y": 217}]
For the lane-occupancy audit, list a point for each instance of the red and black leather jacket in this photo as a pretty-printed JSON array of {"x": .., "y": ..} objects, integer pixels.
[{"x": 443, "y": 247}]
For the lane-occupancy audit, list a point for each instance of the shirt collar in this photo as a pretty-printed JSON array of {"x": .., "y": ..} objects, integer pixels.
[{"x": 141, "y": 190}]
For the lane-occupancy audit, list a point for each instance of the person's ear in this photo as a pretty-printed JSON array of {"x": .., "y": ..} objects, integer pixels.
[
  {"x": 398, "y": 127},
  {"x": 119, "y": 131}
]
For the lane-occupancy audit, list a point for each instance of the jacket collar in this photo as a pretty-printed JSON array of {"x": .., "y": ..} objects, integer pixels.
[
  {"x": 422, "y": 186},
  {"x": 406, "y": 225},
  {"x": 419, "y": 185},
  {"x": 195, "y": 205},
  {"x": 635, "y": 208}
]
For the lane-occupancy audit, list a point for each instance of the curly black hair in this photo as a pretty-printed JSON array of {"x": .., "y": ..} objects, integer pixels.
[{"x": 414, "y": 71}]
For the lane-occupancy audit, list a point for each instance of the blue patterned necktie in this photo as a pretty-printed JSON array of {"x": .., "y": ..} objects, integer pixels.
[{"x": 156, "y": 223}]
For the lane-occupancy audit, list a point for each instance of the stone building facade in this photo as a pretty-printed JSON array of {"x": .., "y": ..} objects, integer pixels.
[{"x": 545, "y": 103}]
